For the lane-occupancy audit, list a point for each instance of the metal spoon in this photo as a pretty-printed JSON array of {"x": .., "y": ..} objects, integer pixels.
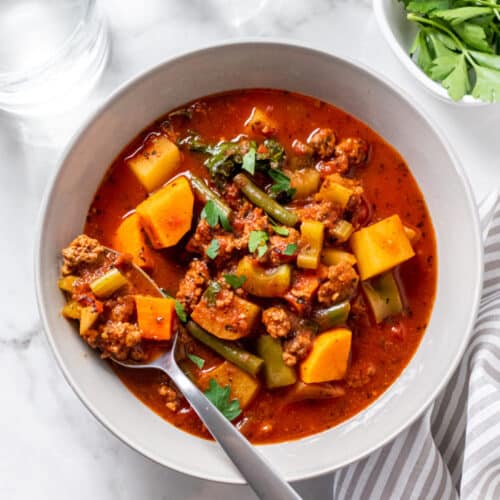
[{"x": 258, "y": 472}]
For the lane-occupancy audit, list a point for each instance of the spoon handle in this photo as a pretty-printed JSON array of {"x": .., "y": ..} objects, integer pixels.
[{"x": 258, "y": 472}]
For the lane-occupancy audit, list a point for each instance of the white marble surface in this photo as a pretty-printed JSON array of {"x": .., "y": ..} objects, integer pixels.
[{"x": 51, "y": 447}]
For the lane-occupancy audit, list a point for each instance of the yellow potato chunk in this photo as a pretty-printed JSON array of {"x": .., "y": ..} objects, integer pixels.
[
  {"x": 167, "y": 214},
  {"x": 260, "y": 122},
  {"x": 155, "y": 163},
  {"x": 335, "y": 192},
  {"x": 334, "y": 256},
  {"x": 329, "y": 357},
  {"x": 381, "y": 246},
  {"x": 230, "y": 323},
  {"x": 243, "y": 386}
]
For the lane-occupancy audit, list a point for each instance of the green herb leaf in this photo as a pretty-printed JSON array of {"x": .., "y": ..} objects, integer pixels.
[
  {"x": 249, "y": 161},
  {"x": 180, "y": 311},
  {"x": 473, "y": 35},
  {"x": 457, "y": 82},
  {"x": 282, "y": 183},
  {"x": 219, "y": 397},
  {"x": 211, "y": 292},
  {"x": 213, "y": 214},
  {"x": 234, "y": 280},
  {"x": 421, "y": 48},
  {"x": 290, "y": 249},
  {"x": 487, "y": 87},
  {"x": 199, "y": 362},
  {"x": 280, "y": 230},
  {"x": 488, "y": 60},
  {"x": 213, "y": 249},
  {"x": 257, "y": 241},
  {"x": 426, "y": 6},
  {"x": 461, "y": 14}
]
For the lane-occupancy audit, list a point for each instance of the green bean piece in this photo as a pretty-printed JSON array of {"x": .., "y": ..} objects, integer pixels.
[
  {"x": 262, "y": 200},
  {"x": 205, "y": 194},
  {"x": 228, "y": 350},
  {"x": 276, "y": 373},
  {"x": 332, "y": 316}
]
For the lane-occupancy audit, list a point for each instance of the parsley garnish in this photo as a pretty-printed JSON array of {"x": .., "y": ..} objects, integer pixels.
[
  {"x": 457, "y": 45},
  {"x": 234, "y": 280},
  {"x": 280, "y": 230},
  {"x": 282, "y": 183},
  {"x": 180, "y": 311},
  {"x": 219, "y": 397},
  {"x": 211, "y": 292},
  {"x": 257, "y": 241},
  {"x": 213, "y": 249},
  {"x": 199, "y": 362},
  {"x": 249, "y": 161},
  {"x": 213, "y": 214},
  {"x": 290, "y": 249}
]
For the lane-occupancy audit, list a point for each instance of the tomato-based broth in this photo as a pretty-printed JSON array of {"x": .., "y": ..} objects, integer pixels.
[{"x": 359, "y": 356}]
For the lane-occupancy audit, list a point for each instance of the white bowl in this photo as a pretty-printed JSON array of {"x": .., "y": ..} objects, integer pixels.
[
  {"x": 349, "y": 86},
  {"x": 399, "y": 34}
]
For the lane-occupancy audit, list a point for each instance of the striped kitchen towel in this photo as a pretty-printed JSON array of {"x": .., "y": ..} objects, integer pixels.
[{"x": 453, "y": 451}]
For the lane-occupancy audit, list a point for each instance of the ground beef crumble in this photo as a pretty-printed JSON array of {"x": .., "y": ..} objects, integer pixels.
[
  {"x": 82, "y": 250},
  {"x": 298, "y": 347},
  {"x": 341, "y": 284},
  {"x": 193, "y": 284},
  {"x": 277, "y": 322}
]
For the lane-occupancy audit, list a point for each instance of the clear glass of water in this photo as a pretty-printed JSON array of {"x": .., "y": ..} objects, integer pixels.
[{"x": 52, "y": 52}]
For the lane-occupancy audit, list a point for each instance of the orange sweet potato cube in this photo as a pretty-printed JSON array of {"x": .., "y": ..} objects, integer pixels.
[
  {"x": 167, "y": 214},
  {"x": 155, "y": 316}
]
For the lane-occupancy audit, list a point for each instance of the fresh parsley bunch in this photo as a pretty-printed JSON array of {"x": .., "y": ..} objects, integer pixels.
[{"x": 458, "y": 44}]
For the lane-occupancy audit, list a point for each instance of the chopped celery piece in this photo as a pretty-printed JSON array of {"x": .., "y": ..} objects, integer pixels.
[
  {"x": 276, "y": 373},
  {"x": 311, "y": 244},
  {"x": 108, "y": 284},
  {"x": 383, "y": 296},
  {"x": 342, "y": 230},
  {"x": 263, "y": 282}
]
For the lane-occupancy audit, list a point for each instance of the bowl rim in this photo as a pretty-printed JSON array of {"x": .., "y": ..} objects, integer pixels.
[
  {"x": 144, "y": 75},
  {"x": 430, "y": 85}
]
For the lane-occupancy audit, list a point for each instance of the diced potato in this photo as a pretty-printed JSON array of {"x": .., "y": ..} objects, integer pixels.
[
  {"x": 167, "y": 214},
  {"x": 260, "y": 122},
  {"x": 129, "y": 238},
  {"x": 230, "y": 323},
  {"x": 334, "y": 256},
  {"x": 329, "y": 357},
  {"x": 88, "y": 317},
  {"x": 264, "y": 282},
  {"x": 334, "y": 191},
  {"x": 154, "y": 316},
  {"x": 108, "y": 284},
  {"x": 243, "y": 386},
  {"x": 311, "y": 244},
  {"x": 305, "y": 182},
  {"x": 66, "y": 284},
  {"x": 381, "y": 246},
  {"x": 155, "y": 163},
  {"x": 72, "y": 310}
]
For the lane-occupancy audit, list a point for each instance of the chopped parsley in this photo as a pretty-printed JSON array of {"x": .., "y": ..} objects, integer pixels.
[
  {"x": 282, "y": 185},
  {"x": 219, "y": 397},
  {"x": 280, "y": 230},
  {"x": 234, "y": 280},
  {"x": 211, "y": 292},
  {"x": 290, "y": 249},
  {"x": 213, "y": 249},
  {"x": 249, "y": 161},
  {"x": 257, "y": 241},
  {"x": 199, "y": 362},
  {"x": 213, "y": 214}
]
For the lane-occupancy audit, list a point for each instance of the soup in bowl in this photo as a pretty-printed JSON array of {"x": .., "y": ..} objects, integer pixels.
[{"x": 297, "y": 252}]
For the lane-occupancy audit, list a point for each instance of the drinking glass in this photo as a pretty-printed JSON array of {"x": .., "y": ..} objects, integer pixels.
[{"x": 52, "y": 52}]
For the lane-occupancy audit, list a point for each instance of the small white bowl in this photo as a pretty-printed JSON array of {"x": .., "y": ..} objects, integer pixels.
[
  {"x": 363, "y": 93},
  {"x": 399, "y": 34}
]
